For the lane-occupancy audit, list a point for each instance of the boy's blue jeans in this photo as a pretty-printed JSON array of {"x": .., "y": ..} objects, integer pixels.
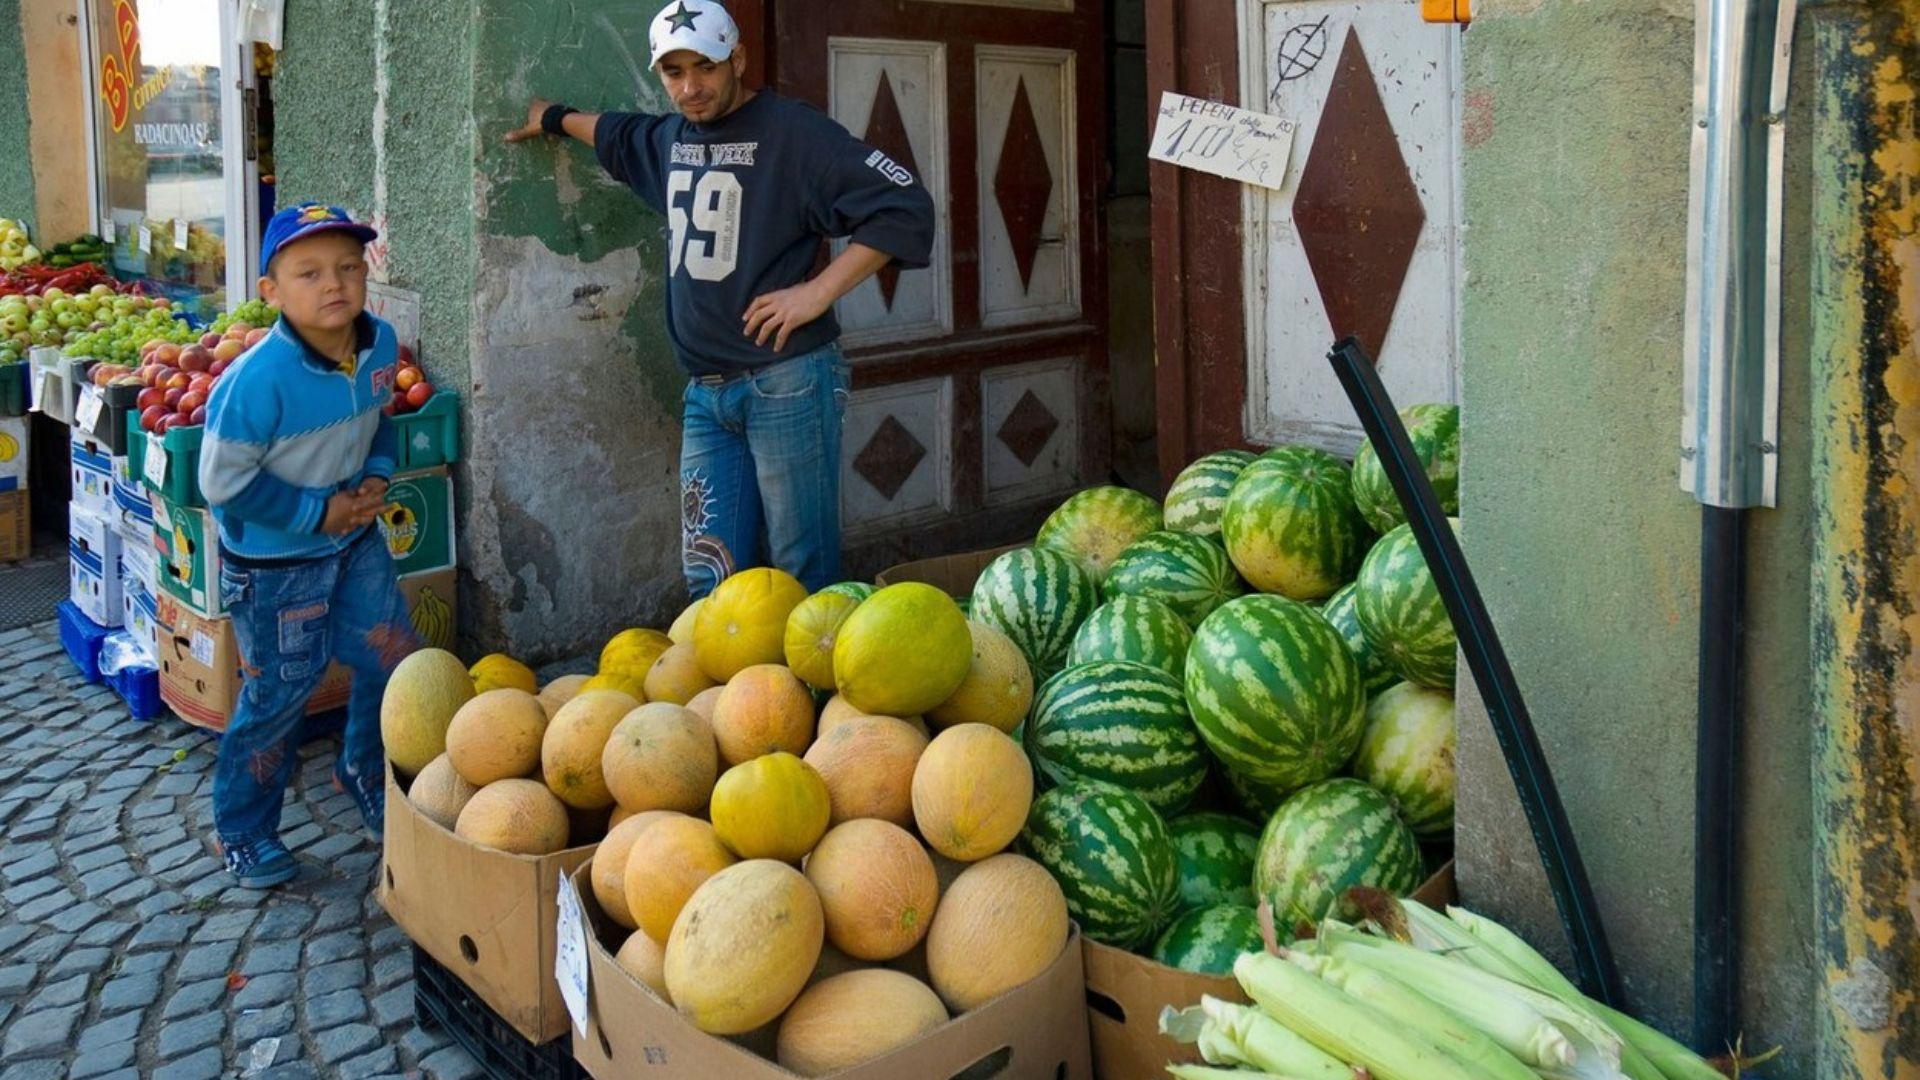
[
  {"x": 290, "y": 622},
  {"x": 760, "y": 472}
]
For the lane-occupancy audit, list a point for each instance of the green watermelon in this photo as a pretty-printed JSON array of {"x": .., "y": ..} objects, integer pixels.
[
  {"x": 1290, "y": 525},
  {"x": 1038, "y": 597},
  {"x": 1108, "y": 848},
  {"x": 1135, "y": 628},
  {"x": 1275, "y": 692},
  {"x": 1208, "y": 940},
  {"x": 1375, "y": 675},
  {"x": 1123, "y": 723},
  {"x": 1257, "y": 797},
  {"x": 1326, "y": 839},
  {"x": 1434, "y": 431},
  {"x": 1199, "y": 493},
  {"x": 859, "y": 590},
  {"x": 1190, "y": 574},
  {"x": 1098, "y": 523},
  {"x": 1407, "y": 752},
  {"x": 1401, "y": 613},
  {"x": 1215, "y": 854}
]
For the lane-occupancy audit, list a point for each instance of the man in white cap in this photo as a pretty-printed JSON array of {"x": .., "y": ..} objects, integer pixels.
[{"x": 751, "y": 182}]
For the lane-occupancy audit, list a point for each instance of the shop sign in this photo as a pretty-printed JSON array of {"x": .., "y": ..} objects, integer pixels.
[{"x": 1222, "y": 139}]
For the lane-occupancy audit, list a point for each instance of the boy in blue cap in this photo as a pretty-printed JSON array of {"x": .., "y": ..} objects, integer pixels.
[{"x": 295, "y": 463}]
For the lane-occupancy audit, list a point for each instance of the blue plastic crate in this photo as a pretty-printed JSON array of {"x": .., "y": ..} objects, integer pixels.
[
  {"x": 139, "y": 687},
  {"x": 82, "y": 637}
]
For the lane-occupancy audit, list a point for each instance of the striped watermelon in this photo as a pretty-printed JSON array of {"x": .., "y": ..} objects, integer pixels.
[
  {"x": 1123, "y": 723},
  {"x": 1401, "y": 613},
  {"x": 1098, "y": 523},
  {"x": 1199, "y": 493},
  {"x": 1329, "y": 838},
  {"x": 1257, "y": 797},
  {"x": 1135, "y": 628},
  {"x": 1290, "y": 525},
  {"x": 1109, "y": 850},
  {"x": 1275, "y": 692},
  {"x": 1407, "y": 752},
  {"x": 1038, "y": 597},
  {"x": 1208, "y": 940},
  {"x": 1375, "y": 675},
  {"x": 1190, "y": 574},
  {"x": 1434, "y": 431},
  {"x": 1215, "y": 855},
  {"x": 859, "y": 590}
]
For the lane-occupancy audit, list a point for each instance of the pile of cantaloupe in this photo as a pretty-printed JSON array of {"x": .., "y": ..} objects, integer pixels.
[{"x": 777, "y": 854}]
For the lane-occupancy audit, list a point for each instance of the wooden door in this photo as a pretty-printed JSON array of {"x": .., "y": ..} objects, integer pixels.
[{"x": 979, "y": 382}]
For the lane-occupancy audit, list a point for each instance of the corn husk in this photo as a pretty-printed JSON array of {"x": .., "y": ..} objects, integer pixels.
[
  {"x": 1464, "y": 1041},
  {"x": 1342, "y": 1025},
  {"x": 1227, "y": 1033},
  {"x": 1215, "y": 1072}
]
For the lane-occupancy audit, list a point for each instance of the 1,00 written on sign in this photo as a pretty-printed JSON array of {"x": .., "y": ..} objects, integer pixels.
[{"x": 1222, "y": 139}]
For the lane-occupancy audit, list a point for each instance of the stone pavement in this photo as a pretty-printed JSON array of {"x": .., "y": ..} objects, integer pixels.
[{"x": 124, "y": 951}]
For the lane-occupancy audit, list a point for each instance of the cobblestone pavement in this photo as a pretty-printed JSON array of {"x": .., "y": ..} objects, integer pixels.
[{"x": 124, "y": 951}]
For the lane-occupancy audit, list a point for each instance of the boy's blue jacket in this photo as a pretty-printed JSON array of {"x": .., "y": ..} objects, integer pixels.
[{"x": 286, "y": 429}]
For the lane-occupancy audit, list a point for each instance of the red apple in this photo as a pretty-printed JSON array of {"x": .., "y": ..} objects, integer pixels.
[
  {"x": 172, "y": 397},
  {"x": 422, "y": 390},
  {"x": 407, "y": 379},
  {"x": 150, "y": 397},
  {"x": 196, "y": 358},
  {"x": 191, "y": 400},
  {"x": 200, "y": 416},
  {"x": 150, "y": 416},
  {"x": 163, "y": 422},
  {"x": 219, "y": 368},
  {"x": 209, "y": 339},
  {"x": 183, "y": 418}
]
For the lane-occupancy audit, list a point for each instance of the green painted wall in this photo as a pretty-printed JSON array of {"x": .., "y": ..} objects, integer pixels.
[
  {"x": 16, "y": 165},
  {"x": 1576, "y": 202}
]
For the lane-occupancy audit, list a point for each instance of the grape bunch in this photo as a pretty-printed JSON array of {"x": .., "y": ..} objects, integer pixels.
[
  {"x": 119, "y": 341},
  {"x": 252, "y": 312}
]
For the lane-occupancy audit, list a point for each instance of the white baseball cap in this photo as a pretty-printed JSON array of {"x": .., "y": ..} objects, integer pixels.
[{"x": 700, "y": 25}]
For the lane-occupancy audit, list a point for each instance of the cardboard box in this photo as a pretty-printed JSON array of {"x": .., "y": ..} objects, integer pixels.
[
  {"x": 188, "y": 541},
  {"x": 1034, "y": 1032},
  {"x": 92, "y": 474},
  {"x": 954, "y": 574},
  {"x": 131, "y": 499},
  {"x": 14, "y": 446},
  {"x": 16, "y": 525},
  {"x": 418, "y": 525},
  {"x": 487, "y": 916},
  {"x": 139, "y": 562},
  {"x": 141, "y": 617},
  {"x": 1125, "y": 994},
  {"x": 93, "y": 558}
]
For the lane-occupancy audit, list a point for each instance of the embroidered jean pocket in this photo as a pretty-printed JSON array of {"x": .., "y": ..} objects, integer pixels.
[
  {"x": 303, "y": 639},
  {"x": 233, "y": 586},
  {"x": 785, "y": 380}
]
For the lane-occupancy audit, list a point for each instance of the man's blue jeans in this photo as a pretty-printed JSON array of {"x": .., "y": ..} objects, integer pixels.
[
  {"x": 760, "y": 472},
  {"x": 290, "y": 623}
]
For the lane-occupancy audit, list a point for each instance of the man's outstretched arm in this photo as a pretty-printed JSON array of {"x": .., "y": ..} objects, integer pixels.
[{"x": 579, "y": 125}]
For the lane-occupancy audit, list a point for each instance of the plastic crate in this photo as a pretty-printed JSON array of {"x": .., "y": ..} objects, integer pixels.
[
  {"x": 139, "y": 687},
  {"x": 109, "y": 428},
  {"x": 431, "y": 435},
  {"x": 441, "y": 1000},
  {"x": 55, "y": 381},
  {"x": 81, "y": 637},
  {"x": 13, "y": 388},
  {"x": 182, "y": 483}
]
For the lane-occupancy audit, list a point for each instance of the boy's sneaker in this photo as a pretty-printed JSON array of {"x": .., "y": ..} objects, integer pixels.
[
  {"x": 261, "y": 864},
  {"x": 369, "y": 794}
]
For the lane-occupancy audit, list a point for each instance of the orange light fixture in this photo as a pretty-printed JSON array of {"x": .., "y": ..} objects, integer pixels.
[{"x": 1447, "y": 11}]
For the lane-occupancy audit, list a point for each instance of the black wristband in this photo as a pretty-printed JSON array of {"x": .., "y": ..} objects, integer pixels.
[{"x": 550, "y": 121}]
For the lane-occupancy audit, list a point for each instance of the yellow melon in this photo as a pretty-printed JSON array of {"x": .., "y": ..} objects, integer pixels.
[
  {"x": 856, "y": 1017},
  {"x": 632, "y": 652},
  {"x": 773, "y": 807},
  {"x": 496, "y": 736},
  {"x": 560, "y": 691},
  {"x": 1001, "y": 923},
  {"x": 877, "y": 887},
  {"x": 762, "y": 709},
  {"x": 867, "y": 763},
  {"x": 608, "y": 873},
  {"x": 676, "y": 677},
  {"x": 517, "y": 816},
  {"x": 681, "y": 632},
  {"x": 703, "y": 702},
  {"x": 634, "y": 686},
  {"x": 496, "y": 670},
  {"x": 811, "y": 632},
  {"x": 620, "y": 814},
  {"x": 837, "y": 710},
  {"x": 666, "y": 862},
  {"x": 744, "y": 622},
  {"x": 971, "y": 791},
  {"x": 744, "y": 947},
  {"x": 644, "y": 959},
  {"x": 440, "y": 792},
  {"x": 998, "y": 688},
  {"x": 661, "y": 757},
  {"x": 422, "y": 695},
  {"x": 570, "y": 751},
  {"x": 902, "y": 651}
]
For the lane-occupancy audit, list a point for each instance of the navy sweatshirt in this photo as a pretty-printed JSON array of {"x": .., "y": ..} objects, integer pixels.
[{"x": 747, "y": 199}]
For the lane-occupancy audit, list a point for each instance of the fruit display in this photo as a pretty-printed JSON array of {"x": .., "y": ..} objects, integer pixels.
[
  {"x": 1290, "y": 524},
  {"x": 1188, "y": 573},
  {"x": 16, "y": 249},
  {"x": 1120, "y": 722},
  {"x": 1401, "y": 612},
  {"x": 1096, "y": 525},
  {"x": 1199, "y": 493},
  {"x": 88, "y": 319},
  {"x": 176, "y": 380},
  {"x": 411, "y": 389}
]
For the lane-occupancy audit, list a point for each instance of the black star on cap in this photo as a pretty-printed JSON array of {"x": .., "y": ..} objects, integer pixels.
[{"x": 682, "y": 19}]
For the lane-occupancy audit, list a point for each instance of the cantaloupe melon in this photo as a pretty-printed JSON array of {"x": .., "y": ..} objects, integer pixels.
[
  {"x": 877, "y": 888},
  {"x": 744, "y": 621},
  {"x": 560, "y": 691},
  {"x": 661, "y": 757},
  {"x": 440, "y": 792},
  {"x": 1002, "y": 922},
  {"x": 902, "y": 651},
  {"x": 867, "y": 763},
  {"x": 634, "y": 686},
  {"x": 681, "y": 632},
  {"x": 644, "y": 959},
  {"x": 497, "y": 736},
  {"x": 570, "y": 751},
  {"x": 744, "y": 947},
  {"x": 812, "y": 630},
  {"x": 703, "y": 702},
  {"x": 764, "y": 708},
  {"x": 971, "y": 791},
  {"x": 496, "y": 670},
  {"x": 998, "y": 688},
  {"x": 837, "y": 710},
  {"x": 517, "y": 816},
  {"x": 666, "y": 862},
  {"x": 608, "y": 874},
  {"x": 859, "y": 1016},
  {"x": 632, "y": 652},
  {"x": 773, "y": 807},
  {"x": 422, "y": 695},
  {"x": 676, "y": 677}
]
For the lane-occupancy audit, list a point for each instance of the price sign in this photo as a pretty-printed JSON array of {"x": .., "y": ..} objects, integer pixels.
[
  {"x": 180, "y": 233},
  {"x": 86, "y": 416},
  {"x": 106, "y": 230},
  {"x": 1221, "y": 139},
  {"x": 570, "y": 954},
  {"x": 154, "y": 469},
  {"x": 203, "y": 648},
  {"x": 145, "y": 240}
]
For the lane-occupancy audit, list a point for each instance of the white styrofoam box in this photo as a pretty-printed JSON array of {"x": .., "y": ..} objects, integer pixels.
[
  {"x": 13, "y": 452},
  {"x": 141, "y": 617},
  {"x": 92, "y": 478},
  {"x": 131, "y": 497},
  {"x": 93, "y": 550}
]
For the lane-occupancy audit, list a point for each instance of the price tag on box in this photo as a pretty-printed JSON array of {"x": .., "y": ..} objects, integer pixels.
[
  {"x": 180, "y": 233},
  {"x": 106, "y": 230},
  {"x": 86, "y": 416},
  {"x": 570, "y": 954},
  {"x": 145, "y": 240},
  {"x": 155, "y": 467}
]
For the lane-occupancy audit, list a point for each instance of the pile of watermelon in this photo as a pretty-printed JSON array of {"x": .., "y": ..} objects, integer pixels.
[{"x": 1245, "y": 694}]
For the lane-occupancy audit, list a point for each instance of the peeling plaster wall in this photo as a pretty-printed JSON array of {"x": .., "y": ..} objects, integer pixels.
[{"x": 16, "y": 164}]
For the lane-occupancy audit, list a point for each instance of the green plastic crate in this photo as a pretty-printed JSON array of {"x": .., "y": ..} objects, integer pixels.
[
  {"x": 430, "y": 436},
  {"x": 181, "y": 484}
]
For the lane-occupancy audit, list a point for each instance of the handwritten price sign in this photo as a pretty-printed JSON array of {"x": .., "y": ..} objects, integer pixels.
[{"x": 1223, "y": 140}]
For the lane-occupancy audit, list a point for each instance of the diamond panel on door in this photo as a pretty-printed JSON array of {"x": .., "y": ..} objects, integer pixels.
[
  {"x": 896, "y": 454},
  {"x": 1030, "y": 429},
  {"x": 893, "y": 96},
  {"x": 1028, "y": 182}
]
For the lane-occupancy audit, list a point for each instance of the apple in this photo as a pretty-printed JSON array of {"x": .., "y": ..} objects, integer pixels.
[
  {"x": 183, "y": 418},
  {"x": 219, "y": 368},
  {"x": 150, "y": 414},
  {"x": 196, "y": 358},
  {"x": 167, "y": 353},
  {"x": 407, "y": 378},
  {"x": 255, "y": 337},
  {"x": 209, "y": 339},
  {"x": 163, "y": 422},
  {"x": 228, "y": 349},
  {"x": 417, "y": 397},
  {"x": 148, "y": 398},
  {"x": 200, "y": 416},
  {"x": 179, "y": 379},
  {"x": 191, "y": 400}
]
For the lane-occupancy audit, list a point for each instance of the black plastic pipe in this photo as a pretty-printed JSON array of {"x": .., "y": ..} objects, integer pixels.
[{"x": 1716, "y": 878}]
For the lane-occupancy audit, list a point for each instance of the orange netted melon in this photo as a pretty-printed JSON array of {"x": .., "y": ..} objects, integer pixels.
[
  {"x": 971, "y": 791},
  {"x": 676, "y": 677},
  {"x": 422, "y": 695},
  {"x": 744, "y": 947},
  {"x": 998, "y": 688},
  {"x": 867, "y": 763},
  {"x": 608, "y": 874},
  {"x": 1001, "y": 923},
  {"x": 570, "y": 751},
  {"x": 855, "y": 1017},
  {"x": 497, "y": 735},
  {"x": 763, "y": 708},
  {"x": 560, "y": 691},
  {"x": 837, "y": 710},
  {"x": 661, "y": 757},
  {"x": 644, "y": 959},
  {"x": 440, "y": 792},
  {"x": 877, "y": 887},
  {"x": 667, "y": 861},
  {"x": 517, "y": 816}
]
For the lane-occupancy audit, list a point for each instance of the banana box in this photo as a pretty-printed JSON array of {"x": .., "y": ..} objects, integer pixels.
[
  {"x": 13, "y": 453},
  {"x": 92, "y": 477},
  {"x": 132, "y": 502},
  {"x": 93, "y": 550},
  {"x": 188, "y": 543},
  {"x": 418, "y": 521}
]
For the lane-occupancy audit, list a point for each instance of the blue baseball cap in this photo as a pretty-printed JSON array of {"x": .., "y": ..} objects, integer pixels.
[{"x": 299, "y": 222}]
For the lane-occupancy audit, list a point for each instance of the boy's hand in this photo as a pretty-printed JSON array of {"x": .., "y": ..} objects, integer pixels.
[
  {"x": 350, "y": 510},
  {"x": 778, "y": 314},
  {"x": 532, "y": 129},
  {"x": 374, "y": 487}
]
